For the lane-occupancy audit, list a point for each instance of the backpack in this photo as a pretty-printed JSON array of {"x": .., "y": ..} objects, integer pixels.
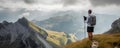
[{"x": 92, "y": 20}]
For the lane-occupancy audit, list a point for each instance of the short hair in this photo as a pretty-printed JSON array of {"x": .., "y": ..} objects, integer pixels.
[{"x": 89, "y": 11}]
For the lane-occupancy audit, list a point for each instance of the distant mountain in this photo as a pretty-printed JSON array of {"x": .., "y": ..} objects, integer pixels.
[
  {"x": 115, "y": 27},
  {"x": 71, "y": 22},
  {"x": 67, "y": 24},
  {"x": 22, "y": 34}
]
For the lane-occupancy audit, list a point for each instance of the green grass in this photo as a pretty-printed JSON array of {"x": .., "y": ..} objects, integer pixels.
[{"x": 105, "y": 41}]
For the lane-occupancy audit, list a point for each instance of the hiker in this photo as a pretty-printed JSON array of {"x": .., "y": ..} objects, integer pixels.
[{"x": 91, "y": 22}]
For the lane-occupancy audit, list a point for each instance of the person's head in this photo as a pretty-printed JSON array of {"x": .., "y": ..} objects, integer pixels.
[{"x": 89, "y": 11}]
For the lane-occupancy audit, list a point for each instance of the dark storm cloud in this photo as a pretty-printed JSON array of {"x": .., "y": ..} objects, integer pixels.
[
  {"x": 29, "y": 1},
  {"x": 64, "y": 2},
  {"x": 69, "y": 2},
  {"x": 104, "y": 2}
]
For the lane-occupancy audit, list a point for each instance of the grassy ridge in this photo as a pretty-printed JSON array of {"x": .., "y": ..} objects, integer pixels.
[
  {"x": 56, "y": 39},
  {"x": 105, "y": 41},
  {"x": 36, "y": 28}
]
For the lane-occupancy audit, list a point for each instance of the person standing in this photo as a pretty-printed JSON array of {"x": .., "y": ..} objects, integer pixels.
[{"x": 91, "y": 22}]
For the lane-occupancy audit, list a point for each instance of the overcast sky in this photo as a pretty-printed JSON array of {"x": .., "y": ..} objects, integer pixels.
[
  {"x": 47, "y": 5},
  {"x": 12, "y": 10}
]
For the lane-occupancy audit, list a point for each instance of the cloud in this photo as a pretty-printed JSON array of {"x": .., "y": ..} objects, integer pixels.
[
  {"x": 69, "y": 2},
  {"x": 30, "y": 1},
  {"x": 48, "y": 2},
  {"x": 104, "y": 2},
  {"x": 9, "y": 15},
  {"x": 12, "y": 4},
  {"x": 63, "y": 2},
  {"x": 44, "y": 5},
  {"x": 25, "y": 14}
]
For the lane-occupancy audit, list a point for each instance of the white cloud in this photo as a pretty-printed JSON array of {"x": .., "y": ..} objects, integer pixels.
[
  {"x": 104, "y": 2},
  {"x": 44, "y": 4},
  {"x": 26, "y": 14},
  {"x": 111, "y": 10},
  {"x": 1, "y": 9}
]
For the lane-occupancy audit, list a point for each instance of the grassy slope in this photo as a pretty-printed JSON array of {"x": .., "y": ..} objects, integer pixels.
[
  {"x": 105, "y": 41},
  {"x": 56, "y": 39},
  {"x": 36, "y": 28}
]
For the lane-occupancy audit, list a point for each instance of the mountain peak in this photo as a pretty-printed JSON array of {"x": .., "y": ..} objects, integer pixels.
[
  {"x": 22, "y": 34},
  {"x": 5, "y": 22},
  {"x": 116, "y": 24},
  {"x": 23, "y": 21}
]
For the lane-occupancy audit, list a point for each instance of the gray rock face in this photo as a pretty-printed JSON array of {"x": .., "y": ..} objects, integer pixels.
[
  {"x": 116, "y": 24},
  {"x": 115, "y": 27},
  {"x": 20, "y": 35}
]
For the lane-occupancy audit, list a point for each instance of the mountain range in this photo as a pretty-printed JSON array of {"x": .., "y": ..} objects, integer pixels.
[
  {"x": 25, "y": 34},
  {"x": 71, "y": 22},
  {"x": 22, "y": 34},
  {"x": 65, "y": 24}
]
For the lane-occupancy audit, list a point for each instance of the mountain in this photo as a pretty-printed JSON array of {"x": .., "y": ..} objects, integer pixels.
[
  {"x": 22, "y": 34},
  {"x": 67, "y": 24},
  {"x": 115, "y": 27},
  {"x": 25, "y": 34}
]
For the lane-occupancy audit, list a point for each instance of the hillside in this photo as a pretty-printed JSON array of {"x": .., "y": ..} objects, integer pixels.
[
  {"x": 110, "y": 39},
  {"x": 56, "y": 39},
  {"x": 105, "y": 41},
  {"x": 25, "y": 34},
  {"x": 59, "y": 39}
]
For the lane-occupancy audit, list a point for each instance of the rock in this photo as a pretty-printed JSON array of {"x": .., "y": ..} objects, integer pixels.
[
  {"x": 115, "y": 27},
  {"x": 21, "y": 35}
]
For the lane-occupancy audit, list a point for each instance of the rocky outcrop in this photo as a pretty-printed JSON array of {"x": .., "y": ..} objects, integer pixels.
[
  {"x": 115, "y": 27},
  {"x": 22, "y": 34}
]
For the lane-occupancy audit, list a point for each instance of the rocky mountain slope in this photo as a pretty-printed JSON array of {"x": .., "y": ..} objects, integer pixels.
[
  {"x": 22, "y": 34},
  {"x": 25, "y": 34},
  {"x": 115, "y": 27}
]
